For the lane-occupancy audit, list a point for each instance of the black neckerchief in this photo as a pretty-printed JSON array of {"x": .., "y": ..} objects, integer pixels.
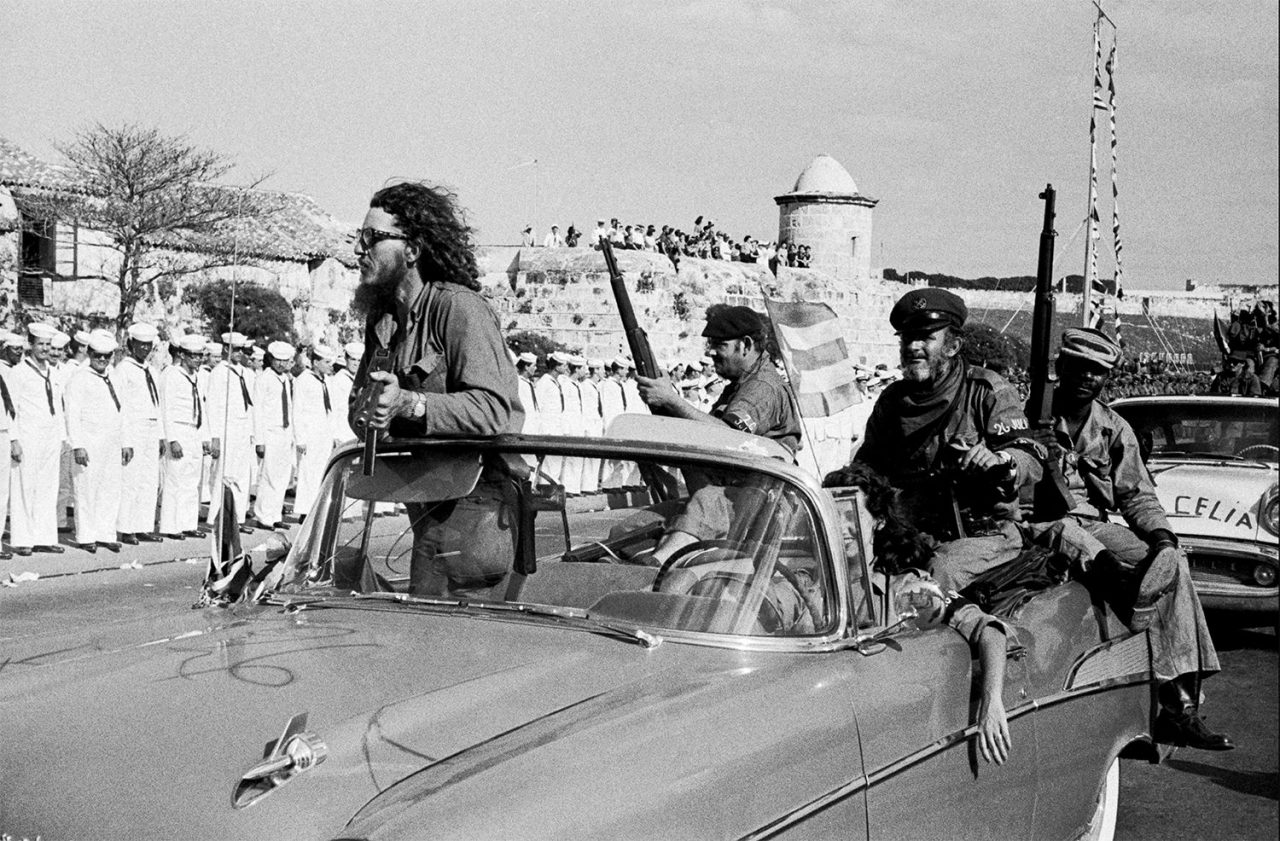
[{"x": 924, "y": 412}]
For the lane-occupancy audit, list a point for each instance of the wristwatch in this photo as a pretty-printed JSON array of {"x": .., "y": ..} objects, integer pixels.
[{"x": 419, "y": 408}]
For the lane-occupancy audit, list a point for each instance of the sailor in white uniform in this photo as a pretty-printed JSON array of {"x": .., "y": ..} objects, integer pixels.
[
  {"x": 7, "y": 411},
  {"x": 185, "y": 425},
  {"x": 94, "y": 434},
  {"x": 139, "y": 391},
  {"x": 273, "y": 435},
  {"x": 613, "y": 402},
  {"x": 61, "y": 366},
  {"x": 314, "y": 409},
  {"x": 592, "y": 422},
  {"x": 37, "y": 435},
  {"x": 340, "y": 384},
  {"x": 230, "y": 407},
  {"x": 526, "y": 363},
  {"x": 550, "y": 401},
  {"x": 571, "y": 421},
  {"x": 212, "y": 357}
]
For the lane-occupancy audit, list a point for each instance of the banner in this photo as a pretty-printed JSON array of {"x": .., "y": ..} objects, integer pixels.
[{"x": 816, "y": 357}]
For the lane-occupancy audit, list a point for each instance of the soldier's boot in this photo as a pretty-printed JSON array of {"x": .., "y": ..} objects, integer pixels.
[{"x": 1179, "y": 722}]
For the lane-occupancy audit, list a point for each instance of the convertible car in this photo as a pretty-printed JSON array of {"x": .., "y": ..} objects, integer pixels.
[
  {"x": 1216, "y": 463},
  {"x": 455, "y": 648}
]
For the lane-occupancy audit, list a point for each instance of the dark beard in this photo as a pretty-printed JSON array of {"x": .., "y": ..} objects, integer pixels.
[{"x": 372, "y": 299}]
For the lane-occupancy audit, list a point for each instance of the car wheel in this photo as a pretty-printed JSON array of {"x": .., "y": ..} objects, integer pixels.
[{"x": 1102, "y": 826}]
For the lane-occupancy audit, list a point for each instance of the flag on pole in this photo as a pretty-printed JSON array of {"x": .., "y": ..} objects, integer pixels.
[{"x": 816, "y": 356}]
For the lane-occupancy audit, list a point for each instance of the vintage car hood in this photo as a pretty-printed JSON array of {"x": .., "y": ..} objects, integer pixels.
[
  {"x": 1213, "y": 498},
  {"x": 122, "y": 739}
]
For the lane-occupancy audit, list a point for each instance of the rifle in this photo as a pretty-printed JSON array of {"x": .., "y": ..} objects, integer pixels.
[
  {"x": 381, "y": 361},
  {"x": 637, "y": 339},
  {"x": 1052, "y": 496}
]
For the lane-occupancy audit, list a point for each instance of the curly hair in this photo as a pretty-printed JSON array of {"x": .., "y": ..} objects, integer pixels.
[
  {"x": 431, "y": 218},
  {"x": 897, "y": 544}
]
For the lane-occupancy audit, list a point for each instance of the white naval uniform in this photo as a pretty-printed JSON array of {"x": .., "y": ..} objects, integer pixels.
[
  {"x": 571, "y": 424},
  {"x": 95, "y": 425},
  {"x": 273, "y": 430},
  {"x": 313, "y": 417},
  {"x": 60, "y": 376},
  {"x": 39, "y": 427},
  {"x": 182, "y": 416},
  {"x": 6, "y": 426},
  {"x": 529, "y": 401},
  {"x": 207, "y": 467},
  {"x": 139, "y": 391},
  {"x": 340, "y": 385},
  {"x": 230, "y": 407},
  {"x": 613, "y": 402},
  {"x": 592, "y": 426},
  {"x": 550, "y": 401}
]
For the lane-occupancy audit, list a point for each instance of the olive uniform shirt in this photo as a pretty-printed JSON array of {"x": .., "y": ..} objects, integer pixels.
[{"x": 759, "y": 403}]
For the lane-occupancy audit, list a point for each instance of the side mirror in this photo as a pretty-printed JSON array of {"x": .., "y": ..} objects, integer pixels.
[{"x": 920, "y": 605}]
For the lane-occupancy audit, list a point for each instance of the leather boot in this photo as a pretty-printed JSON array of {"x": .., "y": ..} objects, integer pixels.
[{"x": 1179, "y": 722}]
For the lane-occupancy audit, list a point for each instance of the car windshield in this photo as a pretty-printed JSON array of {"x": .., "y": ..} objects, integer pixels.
[
  {"x": 1204, "y": 429},
  {"x": 492, "y": 528}
]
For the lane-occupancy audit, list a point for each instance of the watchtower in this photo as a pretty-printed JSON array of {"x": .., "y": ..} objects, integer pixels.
[{"x": 825, "y": 211}]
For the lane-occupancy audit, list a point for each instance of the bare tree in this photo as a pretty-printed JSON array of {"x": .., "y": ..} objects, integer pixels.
[{"x": 155, "y": 196}]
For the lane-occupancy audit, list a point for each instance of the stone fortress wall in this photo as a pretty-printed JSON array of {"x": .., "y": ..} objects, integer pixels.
[{"x": 564, "y": 293}]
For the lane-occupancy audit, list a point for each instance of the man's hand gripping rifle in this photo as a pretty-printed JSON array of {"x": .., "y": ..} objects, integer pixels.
[{"x": 368, "y": 397}]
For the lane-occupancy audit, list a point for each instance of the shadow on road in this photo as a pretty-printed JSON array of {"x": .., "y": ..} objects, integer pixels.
[
  {"x": 1259, "y": 783},
  {"x": 1231, "y": 637}
]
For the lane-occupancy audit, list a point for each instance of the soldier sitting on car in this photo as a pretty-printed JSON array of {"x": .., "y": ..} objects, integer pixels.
[{"x": 1139, "y": 569}]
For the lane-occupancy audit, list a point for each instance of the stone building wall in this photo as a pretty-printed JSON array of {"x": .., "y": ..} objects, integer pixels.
[{"x": 837, "y": 230}]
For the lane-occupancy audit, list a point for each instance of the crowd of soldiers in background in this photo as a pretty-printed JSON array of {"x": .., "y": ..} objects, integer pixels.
[
  {"x": 122, "y": 444},
  {"x": 704, "y": 242}
]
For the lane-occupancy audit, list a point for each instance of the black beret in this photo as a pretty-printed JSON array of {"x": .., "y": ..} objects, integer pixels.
[
  {"x": 733, "y": 323},
  {"x": 928, "y": 307}
]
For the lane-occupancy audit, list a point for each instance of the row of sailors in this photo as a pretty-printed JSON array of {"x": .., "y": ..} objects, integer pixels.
[
  {"x": 574, "y": 396},
  {"x": 132, "y": 434}
]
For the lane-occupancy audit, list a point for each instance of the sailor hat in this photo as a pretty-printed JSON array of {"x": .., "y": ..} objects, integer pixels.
[
  {"x": 60, "y": 339},
  {"x": 100, "y": 342},
  {"x": 258, "y": 352},
  {"x": 324, "y": 352},
  {"x": 355, "y": 350},
  {"x": 191, "y": 343},
  {"x": 42, "y": 331},
  {"x": 620, "y": 362},
  {"x": 576, "y": 361},
  {"x": 81, "y": 337},
  {"x": 142, "y": 332},
  {"x": 527, "y": 358},
  {"x": 595, "y": 363},
  {"x": 281, "y": 350},
  {"x": 560, "y": 358},
  {"x": 234, "y": 339}
]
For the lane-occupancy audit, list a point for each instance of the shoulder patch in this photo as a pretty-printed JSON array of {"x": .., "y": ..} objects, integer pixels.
[{"x": 740, "y": 421}]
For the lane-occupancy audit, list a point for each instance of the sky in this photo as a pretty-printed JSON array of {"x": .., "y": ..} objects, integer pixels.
[{"x": 954, "y": 115}]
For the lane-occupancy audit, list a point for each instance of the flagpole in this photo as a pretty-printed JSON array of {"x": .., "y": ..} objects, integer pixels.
[{"x": 218, "y": 493}]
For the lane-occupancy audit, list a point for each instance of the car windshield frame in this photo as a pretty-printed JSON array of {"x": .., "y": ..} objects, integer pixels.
[
  {"x": 1176, "y": 429},
  {"x": 846, "y": 593}
]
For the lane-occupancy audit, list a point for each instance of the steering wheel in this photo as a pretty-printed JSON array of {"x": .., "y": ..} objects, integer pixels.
[
  {"x": 682, "y": 556},
  {"x": 1243, "y": 453}
]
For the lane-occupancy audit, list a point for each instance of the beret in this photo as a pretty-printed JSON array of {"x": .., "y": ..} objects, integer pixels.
[
  {"x": 281, "y": 350},
  {"x": 142, "y": 332},
  {"x": 354, "y": 349},
  {"x": 40, "y": 330},
  {"x": 527, "y": 358},
  {"x": 100, "y": 342},
  {"x": 324, "y": 352},
  {"x": 191, "y": 343},
  {"x": 235, "y": 339},
  {"x": 927, "y": 308},
  {"x": 733, "y": 323},
  {"x": 1093, "y": 345}
]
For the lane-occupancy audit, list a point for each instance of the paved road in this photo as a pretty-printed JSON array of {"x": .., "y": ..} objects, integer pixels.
[{"x": 1192, "y": 795}]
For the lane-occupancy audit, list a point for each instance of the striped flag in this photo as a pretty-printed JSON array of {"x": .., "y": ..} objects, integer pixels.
[
  {"x": 1092, "y": 296},
  {"x": 816, "y": 357},
  {"x": 1118, "y": 246}
]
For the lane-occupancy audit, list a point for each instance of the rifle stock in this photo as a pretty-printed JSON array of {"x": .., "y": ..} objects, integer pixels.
[
  {"x": 1052, "y": 497},
  {"x": 381, "y": 361}
]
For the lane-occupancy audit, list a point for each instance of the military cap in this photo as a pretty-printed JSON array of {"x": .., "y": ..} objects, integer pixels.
[
  {"x": 81, "y": 337},
  {"x": 560, "y": 358},
  {"x": 191, "y": 343},
  {"x": 142, "y": 332},
  {"x": 576, "y": 361},
  {"x": 11, "y": 339},
  {"x": 60, "y": 339},
  {"x": 733, "y": 323},
  {"x": 620, "y": 362},
  {"x": 258, "y": 352},
  {"x": 595, "y": 363},
  {"x": 1092, "y": 345},
  {"x": 1238, "y": 356},
  {"x": 355, "y": 350},
  {"x": 213, "y": 347},
  {"x": 928, "y": 308},
  {"x": 527, "y": 358},
  {"x": 235, "y": 339},
  {"x": 100, "y": 342},
  {"x": 281, "y": 350}
]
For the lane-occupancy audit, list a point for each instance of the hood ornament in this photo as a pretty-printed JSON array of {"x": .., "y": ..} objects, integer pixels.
[{"x": 296, "y": 750}]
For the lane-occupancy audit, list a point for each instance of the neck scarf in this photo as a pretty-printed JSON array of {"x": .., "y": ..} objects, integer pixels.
[{"x": 923, "y": 412}]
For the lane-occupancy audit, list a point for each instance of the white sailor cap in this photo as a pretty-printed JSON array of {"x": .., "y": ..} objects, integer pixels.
[
  {"x": 100, "y": 341},
  {"x": 560, "y": 358},
  {"x": 355, "y": 350},
  {"x": 577, "y": 361},
  {"x": 60, "y": 339},
  {"x": 81, "y": 337},
  {"x": 620, "y": 362},
  {"x": 258, "y": 352},
  {"x": 190, "y": 343},
  {"x": 40, "y": 330},
  {"x": 595, "y": 363},
  {"x": 213, "y": 347},
  {"x": 234, "y": 339},
  {"x": 143, "y": 332},
  {"x": 281, "y": 350},
  {"x": 10, "y": 339},
  {"x": 324, "y": 352},
  {"x": 527, "y": 358}
]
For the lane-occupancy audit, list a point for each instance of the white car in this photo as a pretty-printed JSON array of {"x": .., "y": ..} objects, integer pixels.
[{"x": 1215, "y": 464}]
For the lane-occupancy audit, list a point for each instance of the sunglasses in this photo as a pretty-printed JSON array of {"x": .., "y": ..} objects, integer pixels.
[{"x": 369, "y": 237}]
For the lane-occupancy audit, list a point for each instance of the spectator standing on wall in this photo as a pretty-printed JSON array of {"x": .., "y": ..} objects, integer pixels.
[
  {"x": 650, "y": 239},
  {"x": 526, "y": 236},
  {"x": 553, "y": 239},
  {"x": 750, "y": 251},
  {"x": 571, "y": 237},
  {"x": 601, "y": 234}
]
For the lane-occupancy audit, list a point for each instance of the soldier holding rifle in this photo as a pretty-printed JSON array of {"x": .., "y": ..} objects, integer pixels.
[{"x": 448, "y": 369}]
